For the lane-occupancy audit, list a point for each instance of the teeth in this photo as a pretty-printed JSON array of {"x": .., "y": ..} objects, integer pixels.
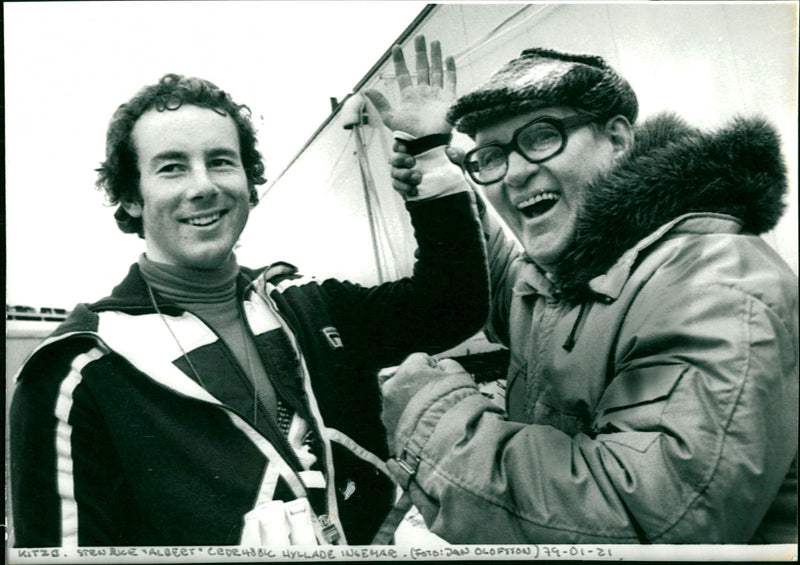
[
  {"x": 204, "y": 220},
  {"x": 540, "y": 197}
]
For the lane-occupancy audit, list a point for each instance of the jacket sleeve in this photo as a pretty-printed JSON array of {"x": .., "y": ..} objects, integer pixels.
[
  {"x": 62, "y": 466},
  {"x": 692, "y": 438},
  {"x": 444, "y": 302}
]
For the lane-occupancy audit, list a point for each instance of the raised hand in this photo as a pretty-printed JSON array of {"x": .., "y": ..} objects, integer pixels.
[{"x": 423, "y": 106}]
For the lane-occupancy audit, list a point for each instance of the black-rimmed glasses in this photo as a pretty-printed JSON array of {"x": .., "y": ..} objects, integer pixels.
[{"x": 537, "y": 141}]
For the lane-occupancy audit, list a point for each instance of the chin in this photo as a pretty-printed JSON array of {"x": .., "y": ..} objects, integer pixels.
[
  {"x": 547, "y": 248},
  {"x": 544, "y": 258},
  {"x": 207, "y": 260}
]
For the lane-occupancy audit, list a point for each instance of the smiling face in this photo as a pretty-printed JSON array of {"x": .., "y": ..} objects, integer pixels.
[
  {"x": 193, "y": 187},
  {"x": 540, "y": 201}
]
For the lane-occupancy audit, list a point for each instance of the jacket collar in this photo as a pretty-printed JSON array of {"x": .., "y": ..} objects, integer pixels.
[
  {"x": 608, "y": 286},
  {"x": 673, "y": 174},
  {"x": 532, "y": 280},
  {"x": 132, "y": 296}
]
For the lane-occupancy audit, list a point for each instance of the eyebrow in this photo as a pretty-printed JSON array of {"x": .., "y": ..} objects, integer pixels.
[
  {"x": 168, "y": 156},
  {"x": 224, "y": 152},
  {"x": 181, "y": 156}
]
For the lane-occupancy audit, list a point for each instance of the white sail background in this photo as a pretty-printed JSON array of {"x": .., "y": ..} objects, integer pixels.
[{"x": 706, "y": 62}]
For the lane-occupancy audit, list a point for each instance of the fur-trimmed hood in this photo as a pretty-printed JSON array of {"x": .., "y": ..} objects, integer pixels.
[{"x": 673, "y": 170}]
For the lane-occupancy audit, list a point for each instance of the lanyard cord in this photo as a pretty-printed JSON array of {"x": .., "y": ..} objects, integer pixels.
[
  {"x": 175, "y": 337},
  {"x": 195, "y": 372}
]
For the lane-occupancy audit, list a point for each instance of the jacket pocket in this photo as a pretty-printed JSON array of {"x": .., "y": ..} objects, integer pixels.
[{"x": 635, "y": 399}]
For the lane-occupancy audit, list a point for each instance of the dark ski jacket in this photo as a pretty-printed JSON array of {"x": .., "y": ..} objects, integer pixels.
[{"x": 114, "y": 443}]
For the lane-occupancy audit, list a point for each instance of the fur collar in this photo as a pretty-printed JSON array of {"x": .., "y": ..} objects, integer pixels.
[{"x": 675, "y": 169}]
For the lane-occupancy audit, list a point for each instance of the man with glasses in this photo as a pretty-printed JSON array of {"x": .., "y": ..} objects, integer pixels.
[{"x": 652, "y": 390}]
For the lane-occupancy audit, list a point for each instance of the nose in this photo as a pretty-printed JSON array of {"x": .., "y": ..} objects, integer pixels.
[
  {"x": 519, "y": 170},
  {"x": 201, "y": 185}
]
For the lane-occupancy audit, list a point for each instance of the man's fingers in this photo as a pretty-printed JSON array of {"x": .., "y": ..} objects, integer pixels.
[
  {"x": 423, "y": 104},
  {"x": 402, "y": 161},
  {"x": 450, "y": 76},
  {"x": 423, "y": 75},
  {"x": 379, "y": 101},
  {"x": 455, "y": 154},
  {"x": 411, "y": 178},
  {"x": 436, "y": 65},
  {"x": 399, "y": 147},
  {"x": 405, "y": 189},
  {"x": 404, "y": 180},
  {"x": 400, "y": 69}
]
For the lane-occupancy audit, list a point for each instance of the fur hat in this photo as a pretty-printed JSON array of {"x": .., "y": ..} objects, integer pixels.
[{"x": 543, "y": 77}]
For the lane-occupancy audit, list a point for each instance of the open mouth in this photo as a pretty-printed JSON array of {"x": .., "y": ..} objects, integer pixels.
[
  {"x": 539, "y": 204},
  {"x": 204, "y": 221}
]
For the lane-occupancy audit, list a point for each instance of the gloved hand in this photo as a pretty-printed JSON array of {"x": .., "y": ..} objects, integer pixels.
[{"x": 417, "y": 371}]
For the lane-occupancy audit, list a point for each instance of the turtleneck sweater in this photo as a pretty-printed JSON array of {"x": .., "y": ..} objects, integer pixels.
[{"x": 210, "y": 294}]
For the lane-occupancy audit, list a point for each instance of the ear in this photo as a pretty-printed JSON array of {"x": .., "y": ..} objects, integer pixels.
[
  {"x": 134, "y": 209},
  {"x": 620, "y": 132}
]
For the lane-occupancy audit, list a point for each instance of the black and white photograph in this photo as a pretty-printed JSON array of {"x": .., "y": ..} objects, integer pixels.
[{"x": 333, "y": 281}]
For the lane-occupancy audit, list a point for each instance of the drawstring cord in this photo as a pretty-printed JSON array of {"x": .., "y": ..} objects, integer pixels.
[{"x": 569, "y": 344}]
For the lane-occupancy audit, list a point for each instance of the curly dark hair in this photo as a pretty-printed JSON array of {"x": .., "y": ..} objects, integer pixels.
[{"x": 118, "y": 175}]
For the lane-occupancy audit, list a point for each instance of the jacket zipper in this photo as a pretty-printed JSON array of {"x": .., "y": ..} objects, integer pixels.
[{"x": 329, "y": 530}]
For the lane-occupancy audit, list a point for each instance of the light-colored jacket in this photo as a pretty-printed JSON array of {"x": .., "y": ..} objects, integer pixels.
[{"x": 656, "y": 403}]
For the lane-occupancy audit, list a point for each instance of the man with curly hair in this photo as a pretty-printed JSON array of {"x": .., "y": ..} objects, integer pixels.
[
  {"x": 206, "y": 403},
  {"x": 652, "y": 389}
]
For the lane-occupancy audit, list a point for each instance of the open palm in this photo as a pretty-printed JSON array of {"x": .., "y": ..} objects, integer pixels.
[{"x": 423, "y": 106}]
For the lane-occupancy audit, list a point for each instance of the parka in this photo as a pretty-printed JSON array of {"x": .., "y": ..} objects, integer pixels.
[{"x": 652, "y": 388}]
